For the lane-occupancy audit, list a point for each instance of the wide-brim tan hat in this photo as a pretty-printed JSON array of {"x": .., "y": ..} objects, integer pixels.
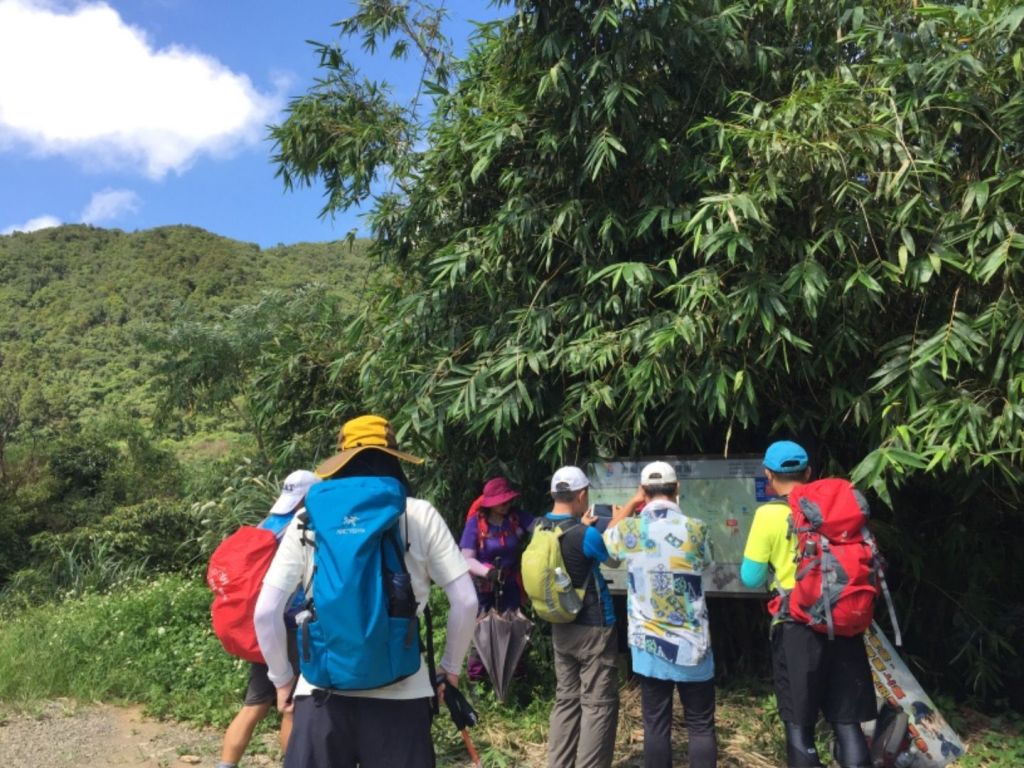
[{"x": 361, "y": 434}]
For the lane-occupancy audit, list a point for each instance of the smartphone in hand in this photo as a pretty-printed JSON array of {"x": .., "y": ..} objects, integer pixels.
[{"x": 603, "y": 513}]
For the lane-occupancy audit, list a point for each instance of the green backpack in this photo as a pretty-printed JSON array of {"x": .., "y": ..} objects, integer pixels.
[{"x": 545, "y": 578}]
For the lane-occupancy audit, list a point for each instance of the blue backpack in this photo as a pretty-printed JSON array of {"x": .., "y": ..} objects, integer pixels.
[{"x": 360, "y": 629}]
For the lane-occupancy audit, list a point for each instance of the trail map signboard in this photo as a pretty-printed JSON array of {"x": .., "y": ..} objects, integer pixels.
[{"x": 722, "y": 492}]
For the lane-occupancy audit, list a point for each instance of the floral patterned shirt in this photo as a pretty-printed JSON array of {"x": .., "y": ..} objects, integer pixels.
[{"x": 665, "y": 554}]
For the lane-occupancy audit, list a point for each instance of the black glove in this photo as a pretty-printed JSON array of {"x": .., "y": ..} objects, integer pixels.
[
  {"x": 461, "y": 711},
  {"x": 494, "y": 575}
]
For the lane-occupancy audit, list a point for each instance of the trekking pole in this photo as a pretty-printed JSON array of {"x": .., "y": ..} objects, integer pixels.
[
  {"x": 463, "y": 716},
  {"x": 474, "y": 756}
]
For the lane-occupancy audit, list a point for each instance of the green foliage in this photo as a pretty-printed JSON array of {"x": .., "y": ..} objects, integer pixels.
[
  {"x": 81, "y": 456},
  {"x": 156, "y": 533},
  {"x": 271, "y": 362},
  {"x": 75, "y": 301},
  {"x": 349, "y": 131},
  {"x": 694, "y": 226},
  {"x": 84, "y": 567},
  {"x": 998, "y": 741},
  {"x": 242, "y": 499},
  {"x": 148, "y": 642},
  {"x": 77, "y": 480}
]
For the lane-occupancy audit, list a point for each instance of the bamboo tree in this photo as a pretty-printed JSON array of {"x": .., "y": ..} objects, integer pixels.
[{"x": 692, "y": 226}]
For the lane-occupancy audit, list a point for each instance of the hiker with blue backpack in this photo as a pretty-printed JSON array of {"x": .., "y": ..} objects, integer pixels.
[
  {"x": 666, "y": 552},
  {"x": 366, "y": 553},
  {"x": 562, "y": 576},
  {"x": 260, "y": 693},
  {"x": 815, "y": 545}
]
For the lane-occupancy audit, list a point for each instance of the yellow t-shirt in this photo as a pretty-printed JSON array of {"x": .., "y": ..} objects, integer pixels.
[{"x": 768, "y": 542}]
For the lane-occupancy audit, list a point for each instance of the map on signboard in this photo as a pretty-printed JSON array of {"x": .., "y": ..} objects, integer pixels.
[{"x": 722, "y": 492}]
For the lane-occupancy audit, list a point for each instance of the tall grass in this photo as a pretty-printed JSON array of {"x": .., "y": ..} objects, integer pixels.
[{"x": 74, "y": 570}]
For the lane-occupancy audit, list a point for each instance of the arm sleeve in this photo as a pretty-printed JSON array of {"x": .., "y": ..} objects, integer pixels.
[
  {"x": 272, "y": 635},
  {"x": 462, "y": 608},
  {"x": 613, "y": 541},
  {"x": 475, "y": 566},
  {"x": 757, "y": 553},
  {"x": 705, "y": 546},
  {"x": 288, "y": 567},
  {"x": 752, "y": 573},
  {"x": 594, "y": 548},
  {"x": 445, "y": 562}
]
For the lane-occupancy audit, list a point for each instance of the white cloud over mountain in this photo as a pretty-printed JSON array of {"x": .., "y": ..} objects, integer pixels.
[
  {"x": 83, "y": 83},
  {"x": 110, "y": 204},
  {"x": 39, "y": 222}
]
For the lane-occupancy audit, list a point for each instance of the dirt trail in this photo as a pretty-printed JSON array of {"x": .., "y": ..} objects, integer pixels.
[{"x": 61, "y": 734}]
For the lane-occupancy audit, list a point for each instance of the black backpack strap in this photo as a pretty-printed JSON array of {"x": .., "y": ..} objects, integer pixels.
[
  {"x": 571, "y": 528},
  {"x": 308, "y": 612},
  {"x": 304, "y": 528},
  {"x": 435, "y": 705}
]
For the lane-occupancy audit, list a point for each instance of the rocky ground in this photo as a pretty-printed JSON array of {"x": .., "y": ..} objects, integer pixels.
[{"x": 67, "y": 735}]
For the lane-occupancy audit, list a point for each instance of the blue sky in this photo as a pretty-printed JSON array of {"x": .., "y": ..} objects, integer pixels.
[{"x": 141, "y": 113}]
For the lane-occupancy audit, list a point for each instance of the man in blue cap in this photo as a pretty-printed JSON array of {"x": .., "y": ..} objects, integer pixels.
[{"x": 812, "y": 673}]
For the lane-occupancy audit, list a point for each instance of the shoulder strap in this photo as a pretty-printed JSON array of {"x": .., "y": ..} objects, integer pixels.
[
  {"x": 567, "y": 525},
  {"x": 572, "y": 526}
]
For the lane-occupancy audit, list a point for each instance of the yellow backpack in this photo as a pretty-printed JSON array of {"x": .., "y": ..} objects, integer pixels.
[{"x": 545, "y": 578}]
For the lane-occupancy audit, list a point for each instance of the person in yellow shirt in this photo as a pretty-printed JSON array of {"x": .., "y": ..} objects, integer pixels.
[{"x": 811, "y": 672}]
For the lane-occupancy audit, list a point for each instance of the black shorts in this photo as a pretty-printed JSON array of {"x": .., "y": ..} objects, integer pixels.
[
  {"x": 813, "y": 673},
  {"x": 260, "y": 690},
  {"x": 344, "y": 732}
]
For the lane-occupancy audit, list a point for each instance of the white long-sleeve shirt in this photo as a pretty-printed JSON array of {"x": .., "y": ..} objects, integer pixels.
[{"x": 432, "y": 556}]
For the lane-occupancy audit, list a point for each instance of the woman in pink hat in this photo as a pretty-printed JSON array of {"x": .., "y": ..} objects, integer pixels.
[{"x": 492, "y": 544}]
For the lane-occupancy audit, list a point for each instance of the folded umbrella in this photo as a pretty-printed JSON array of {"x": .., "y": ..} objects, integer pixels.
[{"x": 500, "y": 639}]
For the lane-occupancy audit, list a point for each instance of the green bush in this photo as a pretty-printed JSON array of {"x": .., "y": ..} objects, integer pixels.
[
  {"x": 150, "y": 643},
  {"x": 159, "y": 533}
]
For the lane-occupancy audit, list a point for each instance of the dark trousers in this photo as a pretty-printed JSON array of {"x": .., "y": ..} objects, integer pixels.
[
  {"x": 814, "y": 674},
  {"x": 345, "y": 732},
  {"x": 698, "y": 700}
]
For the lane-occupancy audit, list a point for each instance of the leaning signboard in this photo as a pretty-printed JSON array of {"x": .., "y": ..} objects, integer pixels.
[
  {"x": 930, "y": 741},
  {"x": 722, "y": 492}
]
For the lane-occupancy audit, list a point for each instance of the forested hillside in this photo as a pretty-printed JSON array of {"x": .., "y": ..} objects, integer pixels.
[
  {"x": 76, "y": 303},
  {"x": 93, "y": 324}
]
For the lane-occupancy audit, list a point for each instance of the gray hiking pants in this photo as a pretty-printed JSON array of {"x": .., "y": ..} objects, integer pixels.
[{"x": 586, "y": 710}]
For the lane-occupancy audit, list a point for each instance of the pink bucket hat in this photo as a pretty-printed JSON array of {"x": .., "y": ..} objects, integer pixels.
[{"x": 497, "y": 491}]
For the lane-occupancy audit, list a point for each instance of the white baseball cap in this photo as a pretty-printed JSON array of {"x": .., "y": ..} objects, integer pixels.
[
  {"x": 293, "y": 491},
  {"x": 658, "y": 473},
  {"x": 569, "y": 479}
]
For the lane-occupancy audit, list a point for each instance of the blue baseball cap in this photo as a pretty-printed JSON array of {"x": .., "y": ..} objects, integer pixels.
[{"x": 785, "y": 456}]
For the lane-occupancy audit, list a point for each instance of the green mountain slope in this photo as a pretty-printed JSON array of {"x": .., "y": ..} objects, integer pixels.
[{"x": 74, "y": 301}]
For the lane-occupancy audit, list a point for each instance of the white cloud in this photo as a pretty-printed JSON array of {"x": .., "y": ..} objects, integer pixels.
[
  {"x": 110, "y": 204},
  {"x": 39, "y": 222},
  {"x": 83, "y": 83}
]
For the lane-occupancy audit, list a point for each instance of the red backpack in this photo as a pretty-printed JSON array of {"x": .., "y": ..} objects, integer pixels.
[
  {"x": 235, "y": 574},
  {"x": 839, "y": 569}
]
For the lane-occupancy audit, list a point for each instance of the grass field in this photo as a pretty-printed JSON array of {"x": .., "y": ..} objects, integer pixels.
[{"x": 151, "y": 643}]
